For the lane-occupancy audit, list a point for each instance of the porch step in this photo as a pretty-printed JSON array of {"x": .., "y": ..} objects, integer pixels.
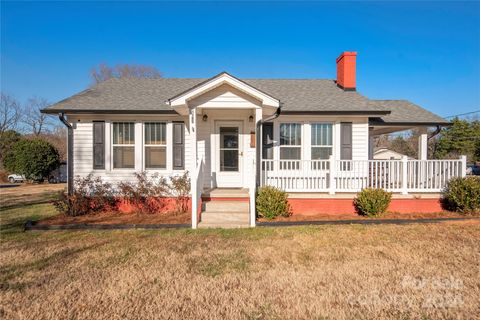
[
  {"x": 214, "y": 217},
  {"x": 225, "y": 214},
  {"x": 225, "y": 193},
  {"x": 226, "y": 206}
]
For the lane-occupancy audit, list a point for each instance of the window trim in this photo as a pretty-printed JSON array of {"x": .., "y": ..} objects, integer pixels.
[
  {"x": 302, "y": 140},
  {"x": 166, "y": 145},
  {"x": 332, "y": 133},
  {"x": 112, "y": 145}
]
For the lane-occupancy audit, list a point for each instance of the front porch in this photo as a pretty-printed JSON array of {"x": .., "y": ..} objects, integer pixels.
[{"x": 239, "y": 138}]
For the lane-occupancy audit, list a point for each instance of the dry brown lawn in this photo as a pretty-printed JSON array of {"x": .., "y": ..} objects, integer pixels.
[{"x": 321, "y": 272}]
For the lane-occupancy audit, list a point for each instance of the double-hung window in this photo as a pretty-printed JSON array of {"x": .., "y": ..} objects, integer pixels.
[
  {"x": 290, "y": 144},
  {"x": 123, "y": 145},
  {"x": 321, "y": 141},
  {"x": 155, "y": 145}
]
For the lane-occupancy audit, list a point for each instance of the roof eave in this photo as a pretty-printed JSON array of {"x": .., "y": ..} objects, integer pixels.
[
  {"x": 409, "y": 123},
  {"x": 337, "y": 112},
  {"x": 106, "y": 111}
]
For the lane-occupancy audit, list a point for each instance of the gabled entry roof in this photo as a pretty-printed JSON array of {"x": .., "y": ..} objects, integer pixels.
[{"x": 218, "y": 80}]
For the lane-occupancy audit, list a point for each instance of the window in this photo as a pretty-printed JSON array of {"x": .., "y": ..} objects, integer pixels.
[
  {"x": 290, "y": 141},
  {"x": 123, "y": 145},
  {"x": 290, "y": 145},
  {"x": 155, "y": 145},
  {"x": 321, "y": 141}
]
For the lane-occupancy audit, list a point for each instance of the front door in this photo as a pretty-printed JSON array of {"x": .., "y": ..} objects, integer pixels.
[{"x": 229, "y": 154}]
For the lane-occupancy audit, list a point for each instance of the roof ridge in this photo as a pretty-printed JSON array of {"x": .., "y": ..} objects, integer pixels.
[{"x": 179, "y": 78}]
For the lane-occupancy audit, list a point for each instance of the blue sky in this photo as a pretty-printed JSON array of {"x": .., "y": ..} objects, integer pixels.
[{"x": 426, "y": 52}]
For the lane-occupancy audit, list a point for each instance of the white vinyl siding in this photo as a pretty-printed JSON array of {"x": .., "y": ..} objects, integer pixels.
[{"x": 83, "y": 147}]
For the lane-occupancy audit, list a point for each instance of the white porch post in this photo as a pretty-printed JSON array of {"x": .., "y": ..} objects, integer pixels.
[
  {"x": 423, "y": 145},
  {"x": 404, "y": 175},
  {"x": 253, "y": 181},
  {"x": 333, "y": 173},
  {"x": 193, "y": 170},
  {"x": 463, "y": 169}
]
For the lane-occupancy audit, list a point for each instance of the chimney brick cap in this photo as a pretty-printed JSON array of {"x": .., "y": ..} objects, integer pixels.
[{"x": 346, "y": 54}]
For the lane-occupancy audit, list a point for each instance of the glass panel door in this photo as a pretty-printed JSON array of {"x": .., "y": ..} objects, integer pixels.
[{"x": 229, "y": 149}]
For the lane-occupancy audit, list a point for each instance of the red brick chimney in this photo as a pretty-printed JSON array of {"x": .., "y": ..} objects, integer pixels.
[{"x": 346, "y": 71}]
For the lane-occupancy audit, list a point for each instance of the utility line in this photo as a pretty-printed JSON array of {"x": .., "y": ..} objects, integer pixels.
[{"x": 462, "y": 114}]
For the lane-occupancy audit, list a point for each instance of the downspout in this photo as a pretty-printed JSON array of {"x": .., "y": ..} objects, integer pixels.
[
  {"x": 258, "y": 142},
  {"x": 61, "y": 116},
  {"x": 437, "y": 131}
]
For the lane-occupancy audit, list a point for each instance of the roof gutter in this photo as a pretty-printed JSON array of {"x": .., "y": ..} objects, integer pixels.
[
  {"x": 61, "y": 116},
  {"x": 258, "y": 142}
]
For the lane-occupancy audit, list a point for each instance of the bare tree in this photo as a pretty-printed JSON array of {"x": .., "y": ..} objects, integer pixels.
[
  {"x": 104, "y": 72},
  {"x": 35, "y": 121},
  {"x": 10, "y": 113}
]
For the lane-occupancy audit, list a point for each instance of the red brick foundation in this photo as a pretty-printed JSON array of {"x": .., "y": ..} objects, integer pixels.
[{"x": 345, "y": 206}]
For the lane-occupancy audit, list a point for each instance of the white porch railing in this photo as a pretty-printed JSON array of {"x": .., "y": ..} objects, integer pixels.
[{"x": 353, "y": 175}]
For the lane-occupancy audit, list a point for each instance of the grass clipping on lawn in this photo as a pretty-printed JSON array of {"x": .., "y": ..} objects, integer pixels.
[{"x": 338, "y": 272}]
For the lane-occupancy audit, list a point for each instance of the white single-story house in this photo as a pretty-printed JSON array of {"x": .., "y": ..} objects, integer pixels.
[
  {"x": 387, "y": 154},
  {"x": 310, "y": 137}
]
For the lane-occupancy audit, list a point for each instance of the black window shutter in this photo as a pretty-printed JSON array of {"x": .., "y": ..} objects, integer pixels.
[
  {"x": 267, "y": 140},
  {"x": 346, "y": 141},
  {"x": 178, "y": 146},
  {"x": 98, "y": 145}
]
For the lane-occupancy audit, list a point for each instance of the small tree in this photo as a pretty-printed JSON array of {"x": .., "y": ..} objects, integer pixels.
[
  {"x": 35, "y": 121},
  {"x": 34, "y": 159},
  {"x": 10, "y": 113},
  {"x": 104, "y": 72},
  {"x": 460, "y": 138}
]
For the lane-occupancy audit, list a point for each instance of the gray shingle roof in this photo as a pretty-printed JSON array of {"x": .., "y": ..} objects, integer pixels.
[
  {"x": 403, "y": 111},
  {"x": 296, "y": 95}
]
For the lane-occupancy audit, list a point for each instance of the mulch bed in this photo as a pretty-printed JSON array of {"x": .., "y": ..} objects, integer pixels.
[
  {"x": 387, "y": 216},
  {"x": 117, "y": 218}
]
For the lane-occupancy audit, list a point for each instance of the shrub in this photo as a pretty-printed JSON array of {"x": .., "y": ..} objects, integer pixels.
[
  {"x": 179, "y": 187},
  {"x": 272, "y": 202},
  {"x": 34, "y": 159},
  {"x": 144, "y": 192},
  {"x": 90, "y": 195},
  {"x": 372, "y": 202},
  {"x": 463, "y": 195}
]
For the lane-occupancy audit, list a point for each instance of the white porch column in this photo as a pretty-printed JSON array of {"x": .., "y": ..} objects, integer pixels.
[
  {"x": 423, "y": 145},
  {"x": 463, "y": 169},
  {"x": 138, "y": 127},
  {"x": 253, "y": 180},
  {"x": 193, "y": 166},
  {"x": 404, "y": 175}
]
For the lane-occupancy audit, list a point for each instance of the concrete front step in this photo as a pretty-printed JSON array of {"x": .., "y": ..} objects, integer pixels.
[
  {"x": 223, "y": 225},
  {"x": 225, "y": 213},
  {"x": 214, "y": 217},
  {"x": 226, "y": 206}
]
